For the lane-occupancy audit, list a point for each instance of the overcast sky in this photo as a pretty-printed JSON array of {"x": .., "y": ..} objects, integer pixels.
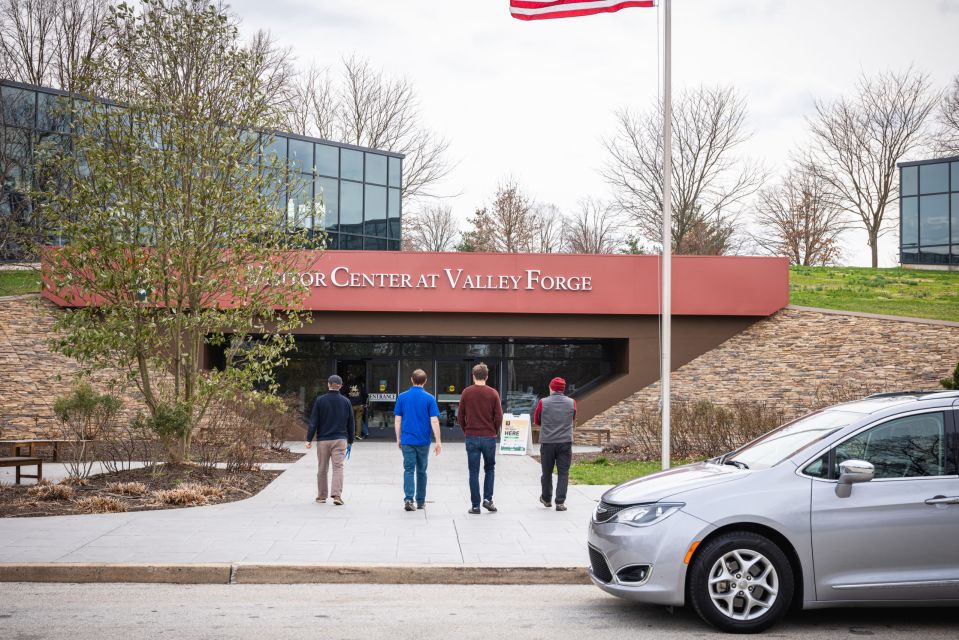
[{"x": 535, "y": 99}]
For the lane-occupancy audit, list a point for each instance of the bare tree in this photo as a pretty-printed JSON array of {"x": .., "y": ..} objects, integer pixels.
[
  {"x": 857, "y": 141},
  {"x": 360, "y": 105},
  {"x": 508, "y": 225},
  {"x": 548, "y": 222},
  {"x": 710, "y": 181},
  {"x": 594, "y": 228},
  {"x": 51, "y": 42},
  {"x": 433, "y": 228},
  {"x": 27, "y": 38},
  {"x": 947, "y": 138},
  {"x": 798, "y": 218}
]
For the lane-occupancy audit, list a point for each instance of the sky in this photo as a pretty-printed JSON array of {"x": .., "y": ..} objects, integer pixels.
[{"x": 534, "y": 100}]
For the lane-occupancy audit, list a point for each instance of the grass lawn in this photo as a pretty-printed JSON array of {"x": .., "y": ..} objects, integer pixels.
[
  {"x": 603, "y": 471},
  {"x": 897, "y": 292},
  {"x": 14, "y": 283}
]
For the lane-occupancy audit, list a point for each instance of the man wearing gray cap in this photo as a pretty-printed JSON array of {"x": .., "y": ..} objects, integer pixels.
[{"x": 331, "y": 422}]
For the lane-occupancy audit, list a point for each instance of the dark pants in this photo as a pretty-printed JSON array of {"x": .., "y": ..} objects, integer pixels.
[
  {"x": 477, "y": 446},
  {"x": 559, "y": 455}
]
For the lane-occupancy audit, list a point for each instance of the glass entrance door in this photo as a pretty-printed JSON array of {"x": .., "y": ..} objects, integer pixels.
[
  {"x": 382, "y": 383},
  {"x": 450, "y": 381}
]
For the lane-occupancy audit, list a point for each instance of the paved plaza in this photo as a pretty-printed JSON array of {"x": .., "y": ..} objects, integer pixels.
[{"x": 284, "y": 524}]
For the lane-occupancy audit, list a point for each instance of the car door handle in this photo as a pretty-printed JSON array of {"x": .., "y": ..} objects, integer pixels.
[{"x": 943, "y": 500}]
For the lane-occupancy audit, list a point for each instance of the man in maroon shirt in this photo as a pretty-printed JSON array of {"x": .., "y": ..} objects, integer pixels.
[{"x": 480, "y": 415}]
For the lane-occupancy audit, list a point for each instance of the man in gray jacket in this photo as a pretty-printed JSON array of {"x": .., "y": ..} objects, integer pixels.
[{"x": 555, "y": 415}]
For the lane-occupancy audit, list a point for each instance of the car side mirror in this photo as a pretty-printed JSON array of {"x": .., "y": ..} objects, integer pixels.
[{"x": 853, "y": 472}]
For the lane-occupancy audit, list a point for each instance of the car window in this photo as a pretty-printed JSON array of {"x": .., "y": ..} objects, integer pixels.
[
  {"x": 909, "y": 447},
  {"x": 779, "y": 444}
]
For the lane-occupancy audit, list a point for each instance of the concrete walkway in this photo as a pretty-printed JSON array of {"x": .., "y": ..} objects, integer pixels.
[{"x": 284, "y": 524}]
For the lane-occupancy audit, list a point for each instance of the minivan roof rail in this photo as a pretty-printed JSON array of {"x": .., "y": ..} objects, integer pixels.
[{"x": 895, "y": 394}]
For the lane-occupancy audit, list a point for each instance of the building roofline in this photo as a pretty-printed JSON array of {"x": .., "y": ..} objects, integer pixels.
[
  {"x": 916, "y": 163},
  {"x": 343, "y": 145}
]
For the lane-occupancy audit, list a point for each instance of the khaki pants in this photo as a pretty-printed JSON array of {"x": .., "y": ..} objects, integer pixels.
[
  {"x": 358, "y": 419},
  {"x": 325, "y": 451}
]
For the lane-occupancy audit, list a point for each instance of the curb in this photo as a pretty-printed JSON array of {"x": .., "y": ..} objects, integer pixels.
[
  {"x": 279, "y": 573},
  {"x": 100, "y": 572}
]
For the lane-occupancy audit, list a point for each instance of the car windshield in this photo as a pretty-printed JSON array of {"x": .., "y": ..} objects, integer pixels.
[{"x": 779, "y": 444}]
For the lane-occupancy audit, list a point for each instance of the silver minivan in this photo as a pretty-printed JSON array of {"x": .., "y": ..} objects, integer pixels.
[{"x": 857, "y": 504}]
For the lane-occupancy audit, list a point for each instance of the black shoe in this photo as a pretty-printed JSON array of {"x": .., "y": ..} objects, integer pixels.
[
  {"x": 337, "y": 500},
  {"x": 560, "y": 507},
  {"x": 409, "y": 506},
  {"x": 474, "y": 511},
  {"x": 546, "y": 503},
  {"x": 420, "y": 505},
  {"x": 489, "y": 506}
]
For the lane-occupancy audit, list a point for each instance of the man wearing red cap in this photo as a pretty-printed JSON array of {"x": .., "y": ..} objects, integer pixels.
[{"x": 555, "y": 416}]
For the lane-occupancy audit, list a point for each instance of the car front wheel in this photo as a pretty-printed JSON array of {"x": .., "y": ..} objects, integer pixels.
[{"x": 741, "y": 582}]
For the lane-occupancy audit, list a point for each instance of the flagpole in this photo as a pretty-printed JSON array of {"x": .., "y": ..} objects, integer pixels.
[{"x": 666, "y": 311}]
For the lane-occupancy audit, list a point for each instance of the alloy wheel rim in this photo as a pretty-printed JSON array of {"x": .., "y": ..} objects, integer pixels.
[{"x": 743, "y": 584}]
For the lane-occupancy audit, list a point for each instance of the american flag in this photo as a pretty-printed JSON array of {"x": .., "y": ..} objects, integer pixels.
[{"x": 526, "y": 10}]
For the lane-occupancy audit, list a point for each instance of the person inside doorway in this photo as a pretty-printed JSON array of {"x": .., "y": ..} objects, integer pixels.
[
  {"x": 480, "y": 415},
  {"x": 416, "y": 414},
  {"x": 331, "y": 423},
  {"x": 357, "y": 395}
]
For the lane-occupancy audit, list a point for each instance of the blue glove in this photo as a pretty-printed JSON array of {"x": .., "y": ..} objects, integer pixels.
[{"x": 348, "y": 447}]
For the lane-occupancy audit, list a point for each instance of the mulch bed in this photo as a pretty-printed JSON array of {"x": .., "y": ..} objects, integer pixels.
[
  {"x": 16, "y": 501},
  {"x": 277, "y": 455}
]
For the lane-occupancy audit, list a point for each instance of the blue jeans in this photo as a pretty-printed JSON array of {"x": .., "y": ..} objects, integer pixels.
[
  {"x": 477, "y": 446},
  {"x": 415, "y": 458}
]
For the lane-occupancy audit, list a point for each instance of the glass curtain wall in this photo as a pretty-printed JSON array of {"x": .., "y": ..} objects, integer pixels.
[
  {"x": 350, "y": 193},
  {"x": 929, "y": 212}
]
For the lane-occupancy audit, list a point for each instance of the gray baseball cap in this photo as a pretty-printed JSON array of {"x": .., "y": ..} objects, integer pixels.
[{"x": 334, "y": 379}]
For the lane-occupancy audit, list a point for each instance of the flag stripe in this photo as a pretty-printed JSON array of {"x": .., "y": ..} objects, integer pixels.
[{"x": 527, "y": 10}]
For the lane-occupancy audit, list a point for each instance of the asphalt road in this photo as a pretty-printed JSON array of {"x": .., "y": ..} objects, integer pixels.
[{"x": 397, "y": 612}]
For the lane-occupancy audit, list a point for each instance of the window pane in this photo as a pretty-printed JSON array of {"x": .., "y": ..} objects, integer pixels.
[
  {"x": 934, "y": 178},
  {"x": 934, "y": 255},
  {"x": 955, "y": 217},
  {"x": 933, "y": 219},
  {"x": 352, "y": 162},
  {"x": 53, "y": 113},
  {"x": 909, "y": 447},
  {"x": 910, "y": 221},
  {"x": 910, "y": 181},
  {"x": 351, "y": 242},
  {"x": 375, "y": 211},
  {"x": 393, "y": 212},
  {"x": 394, "y": 245},
  {"x": 17, "y": 106},
  {"x": 955, "y": 176},
  {"x": 408, "y": 366},
  {"x": 375, "y": 244},
  {"x": 351, "y": 207},
  {"x": 299, "y": 207},
  {"x": 274, "y": 150},
  {"x": 301, "y": 156},
  {"x": 375, "y": 168},
  {"x": 327, "y": 194},
  {"x": 327, "y": 160},
  {"x": 332, "y": 241},
  {"x": 395, "y": 175}
]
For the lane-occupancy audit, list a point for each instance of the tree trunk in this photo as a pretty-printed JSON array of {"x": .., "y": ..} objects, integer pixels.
[{"x": 874, "y": 245}]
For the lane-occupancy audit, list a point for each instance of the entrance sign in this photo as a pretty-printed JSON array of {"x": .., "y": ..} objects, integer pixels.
[
  {"x": 515, "y": 435},
  {"x": 382, "y": 397}
]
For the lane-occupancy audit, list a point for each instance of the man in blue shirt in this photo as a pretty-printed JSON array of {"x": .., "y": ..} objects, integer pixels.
[
  {"x": 331, "y": 422},
  {"x": 416, "y": 414}
]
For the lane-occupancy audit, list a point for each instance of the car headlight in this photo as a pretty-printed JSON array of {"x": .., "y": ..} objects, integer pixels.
[{"x": 644, "y": 515}]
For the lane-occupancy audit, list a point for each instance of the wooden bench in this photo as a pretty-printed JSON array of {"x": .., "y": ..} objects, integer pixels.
[
  {"x": 600, "y": 433},
  {"x": 24, "y": 461},
  {"x": 31, "y": 446}
]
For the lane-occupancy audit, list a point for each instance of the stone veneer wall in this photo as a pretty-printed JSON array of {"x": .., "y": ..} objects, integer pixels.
[
  {"x": 31, "y": 375},
  {"x": 790, "y": 358}
]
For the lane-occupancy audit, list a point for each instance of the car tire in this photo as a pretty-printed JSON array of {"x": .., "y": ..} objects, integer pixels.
[{"x": 741, "y": 582}]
